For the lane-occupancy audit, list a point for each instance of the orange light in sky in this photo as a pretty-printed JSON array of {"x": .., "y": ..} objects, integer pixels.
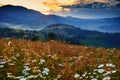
[{"x": 45, "y": 6}]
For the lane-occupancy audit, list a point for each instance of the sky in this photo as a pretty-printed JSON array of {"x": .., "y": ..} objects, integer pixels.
[{"x": 74, "y": 8}]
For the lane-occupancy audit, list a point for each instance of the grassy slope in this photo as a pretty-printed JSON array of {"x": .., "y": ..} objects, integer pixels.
[{"x": 61, "y": 59}]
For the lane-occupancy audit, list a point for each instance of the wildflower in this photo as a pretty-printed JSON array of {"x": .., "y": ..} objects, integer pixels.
[
  {"x": 84, "y": 74},
  {"x": 95, "y": 69},
  {"x": 59, "y": 76},
  {"x": 76, "y": 76},
  {"x": 27, "y": 64},
  {"x": 113, "y": 66},
  {"x": 27, "y": 68},
  {"x": 91, "y": 76},
  {"x": 45, "y": 71},
  {"x": 14, "y": 58},
  {"x": 94, "y": 79},
  {"x": 49, "y": 55},
  {"x": 17, "y": 55},
  {"x": 34, "y": 60},
  {"x": 100, "y": 66},
  {"x": 60, "y": 65},
  {"x": 101, "y": 70},
  {"x": 25, "y": 73},
  {"x": 2, "y": 62},
  {"x": 94, "y": 73},
  {"x": 110, "y": 65},
  {"x": 40, "y": 75},
  {"x": 81, "y": 78},
  {"x": 86, "y": 77},
  {"x": 107, "y": 73},
  {"x": 9, "y": 43},
  {"x": 114, "y": 71},
  {"x": 11, "y": 64},
  {"x": 18, "y": 77},
  {"x": 1, "y": 66},
  {"x": 106, "y": 78},
  {"x": 42, "y": 61},
  {"x": 23, "y": 79},
  {"x": 9, "y": 74}
]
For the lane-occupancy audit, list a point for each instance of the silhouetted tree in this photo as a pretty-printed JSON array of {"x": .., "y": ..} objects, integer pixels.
[
  {"x": 51, "y": 36},
  {"x": 35, "y": 38}
]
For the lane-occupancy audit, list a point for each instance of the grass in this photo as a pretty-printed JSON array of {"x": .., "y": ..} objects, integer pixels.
[{"x": 28, "y": 60}]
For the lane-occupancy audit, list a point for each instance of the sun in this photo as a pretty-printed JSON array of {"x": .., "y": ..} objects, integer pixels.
[{"x": 46, "y": 12}]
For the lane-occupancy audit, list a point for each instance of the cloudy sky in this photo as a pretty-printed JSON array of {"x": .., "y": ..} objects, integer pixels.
[{"x": 75, "y": 8}]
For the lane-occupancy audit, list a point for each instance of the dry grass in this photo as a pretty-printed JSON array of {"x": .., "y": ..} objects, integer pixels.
[{"x": 27, "y": 60}]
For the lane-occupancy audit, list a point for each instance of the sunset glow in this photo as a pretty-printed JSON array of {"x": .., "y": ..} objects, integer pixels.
[{"x": 45, "y": 6}]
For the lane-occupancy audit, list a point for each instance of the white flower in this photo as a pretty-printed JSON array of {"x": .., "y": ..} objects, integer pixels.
[
  {"x": 114, "y": 71},
  {"x": 95, "y": 69},
  {"x": 1, "y": 66},
  {"x": 34, "y": 60},
  {"x": 107, "y": 73},
  {"x": 60, "y": 65},
  {"x": 76, "y": 76},
  {"x": 91, "y": 76},
  {"x": 23, "y": 79},
  {"x": 100, "y": 66},
  {"x": 94, "y": 79},
  {"x": 86, "y": 77},
  {"x": 42, "y": 61},
  {"x": 11, "y": 64},
  {"x": 113, "y": 66},
  {"x": 110, "y": 65},
  {"x": 14, "y": 58},
  {"x": 9, "y": 74},
  {"x": 2, "y": 62},
  {"x": 25, "y": 73},
  {"x": 81, "y": 78},
  {"x": 9, "y": 43},
  {"x": 31, "y": 76},
  {"x": 101, "y": 70},
  {"x": 106, "y": 78},
  {"x": 17, "y": 55},
  {"x": 18, "y": 77},
  {"x": 59, "y": 76},
  {"x": 94, "y": 73},
  {"x": 45, "y": 71},
  {"x": 27, "y": 64},
  {"x": 84, "y": 74},
  {"x": 27, "y": 68}
]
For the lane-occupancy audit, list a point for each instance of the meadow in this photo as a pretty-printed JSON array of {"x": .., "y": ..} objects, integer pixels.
[{"x": 33, "y": 60}]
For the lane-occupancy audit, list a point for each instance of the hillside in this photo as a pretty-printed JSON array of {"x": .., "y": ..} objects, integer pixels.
[
  {"x": 24, "y": 59},
  {"x": 68, "y": 34},
  {"x": 17, "y": 14},
  {"x": 79, "y": 36}
]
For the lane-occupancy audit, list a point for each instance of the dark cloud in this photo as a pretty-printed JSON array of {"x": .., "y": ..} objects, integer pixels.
[
  {"x": 94, "y": 5},
  {"x": 95, "y": 9},
  {"x": 117, "y": 0},
  {"x": 117, "y": 6}
]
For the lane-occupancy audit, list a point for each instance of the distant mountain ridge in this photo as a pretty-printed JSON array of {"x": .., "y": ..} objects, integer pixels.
[
  {"x": 23, "y": 18},
  {"x": 17, "y": 14}
]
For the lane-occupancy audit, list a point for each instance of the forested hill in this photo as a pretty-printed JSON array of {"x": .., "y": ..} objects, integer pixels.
[{"x": 68, "y": 34}]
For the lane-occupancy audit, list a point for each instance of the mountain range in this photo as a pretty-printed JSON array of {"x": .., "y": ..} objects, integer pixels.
[{"x": 22, "y": 18}]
